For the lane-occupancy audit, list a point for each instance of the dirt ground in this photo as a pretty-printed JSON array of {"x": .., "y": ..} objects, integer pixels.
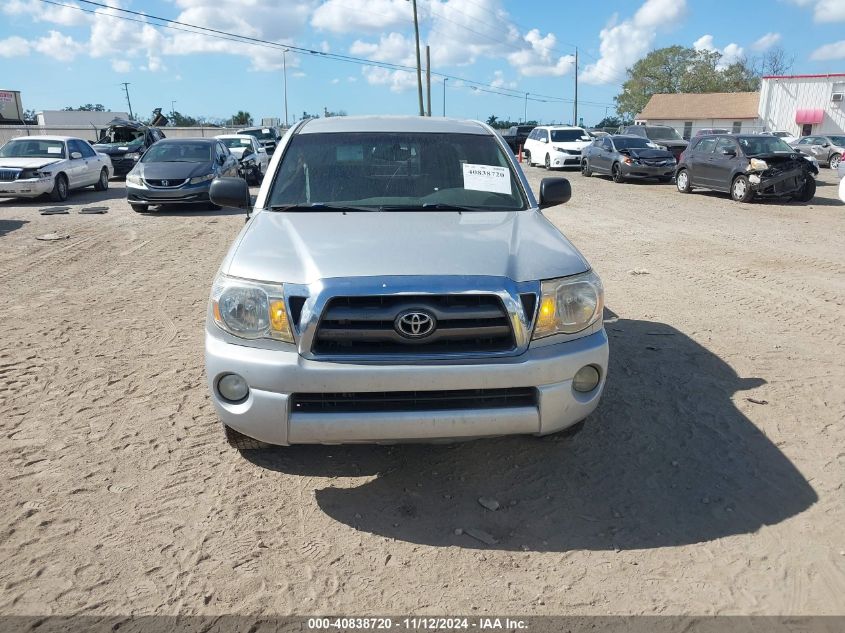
[{"x": 709, "y": 481}]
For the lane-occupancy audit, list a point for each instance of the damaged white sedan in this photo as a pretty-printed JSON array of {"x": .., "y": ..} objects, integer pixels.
[
  {"x": 31, "y": 166},
  {"x": 746, "y": 166}
]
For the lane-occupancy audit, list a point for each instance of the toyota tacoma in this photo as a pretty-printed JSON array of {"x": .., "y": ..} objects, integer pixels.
[{"x": 397, "y": 281}]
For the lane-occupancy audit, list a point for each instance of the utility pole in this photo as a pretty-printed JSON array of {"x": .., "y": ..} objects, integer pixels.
[
  {"x": 575, "y": 104},
  {"x": 419, "y": 69},
  {"x": 125, "y": 85},
  {"x": 285, "y": 65},
  {"x": 445, "y": 79},
  {"x": 525, "y": 111},
  {"x": 428, "y": 78},
  {"x": 173, "y": 106}
]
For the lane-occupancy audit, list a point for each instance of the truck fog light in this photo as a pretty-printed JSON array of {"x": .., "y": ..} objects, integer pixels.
[
  {"x": 232, "y": 388},
  {"x": 586, "y": 379}
]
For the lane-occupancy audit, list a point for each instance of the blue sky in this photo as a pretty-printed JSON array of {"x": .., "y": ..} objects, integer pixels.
[{"x": 58, "y": 56}]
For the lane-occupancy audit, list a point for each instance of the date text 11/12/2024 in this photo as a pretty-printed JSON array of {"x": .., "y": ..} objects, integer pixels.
[{"x": 416, "y": 624}]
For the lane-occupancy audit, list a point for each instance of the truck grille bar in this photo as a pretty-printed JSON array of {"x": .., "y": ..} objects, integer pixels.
[
  {"x": 413, "y": 400},
  {"x": 367, "y": 325}
]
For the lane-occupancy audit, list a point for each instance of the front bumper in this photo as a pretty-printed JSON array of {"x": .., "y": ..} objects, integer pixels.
[
  {"x": 122, "y": 166},
  {"x": 274, "y": 376},
  {"x": 648, "y": 171},
  {"x": 28, "y": 188},
  {"x": 562, "y": 159},
  {"x": 186, "y": 194}
]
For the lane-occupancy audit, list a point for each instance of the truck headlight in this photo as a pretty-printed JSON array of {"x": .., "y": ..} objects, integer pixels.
[
  {"x": 250, "y": 309},
  {"x": 569, "y": 304}
]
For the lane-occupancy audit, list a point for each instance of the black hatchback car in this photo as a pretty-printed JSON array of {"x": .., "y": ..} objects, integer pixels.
[{"x": 746, "y": 165}]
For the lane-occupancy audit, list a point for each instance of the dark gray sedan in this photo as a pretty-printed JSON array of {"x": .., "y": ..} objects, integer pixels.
[
  {"x": 623, "y": 157},
  {"x": 178, "y": 171}
]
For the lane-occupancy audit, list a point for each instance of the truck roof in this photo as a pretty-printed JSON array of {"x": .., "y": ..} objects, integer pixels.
[{"x": 392, "y": 124}]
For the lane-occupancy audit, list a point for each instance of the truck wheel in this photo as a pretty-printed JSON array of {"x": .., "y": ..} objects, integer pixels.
[
  {"x": 548, "y": 163},
  {"x": 616, "y": 173},
  {"x": 139, "y": 208},
  {"x": 682, "y": 181},
  {"x": 808, "y": 191},
  {"x": 835, "y": 160},
  {"x": 585, "y": 169},
  {"x": 527, "y": 155},
  {"x": 242, "y": 442},
  {"x": 741, "y": 190},
  {"x": 59, "y": 193},
  {"x": 103, "y": 182}
]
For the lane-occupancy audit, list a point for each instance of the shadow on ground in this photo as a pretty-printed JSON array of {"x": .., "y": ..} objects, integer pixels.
[
  {"x": 666, "y": 460},
  {"x": 7, "y": 226}
]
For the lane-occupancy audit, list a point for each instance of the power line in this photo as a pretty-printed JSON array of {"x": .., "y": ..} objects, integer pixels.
[{"x": 244, "y": 39}]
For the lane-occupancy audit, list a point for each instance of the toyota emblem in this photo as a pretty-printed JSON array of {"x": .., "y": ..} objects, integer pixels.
[{"x": 415, "y": 324}]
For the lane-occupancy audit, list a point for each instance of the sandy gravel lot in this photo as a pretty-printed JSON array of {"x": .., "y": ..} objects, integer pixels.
[{"x": 709, "y": 481}]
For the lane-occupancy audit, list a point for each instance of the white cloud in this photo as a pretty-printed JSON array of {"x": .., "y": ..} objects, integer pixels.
[
  {"x": 499, "y": 81},
  {"x": 829, "y": 11},
  {"x": 538, "y": 60},
  {"x": 58, "y": 46},
  {"x": 623, "y": 43},
  {"x": 335, "y": 81},
  {"x": 62, "y": 15},
  {"x": 393, "y": 47},
  {"x": 367, "y": 16},
  {"x": 730, "y": 54},
  {"x": 14, "y": 47},
  {"x": 121, "y": 66},
  {"x": 397, "y": 80},
  {"x": 766, "y": 42},
  {"x": 835, "y": 50}
]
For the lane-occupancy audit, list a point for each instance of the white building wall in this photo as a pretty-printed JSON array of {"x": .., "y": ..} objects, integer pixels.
[
  {"x": 747, "y": 125},
  {"x": 781, "y": 98}
]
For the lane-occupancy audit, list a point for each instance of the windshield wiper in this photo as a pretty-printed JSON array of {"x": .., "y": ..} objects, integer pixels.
[
  {"x": 320, "y": 206},
  {"x": 430, "y": 206}
]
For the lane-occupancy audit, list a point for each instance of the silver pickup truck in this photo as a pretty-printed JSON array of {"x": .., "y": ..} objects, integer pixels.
[{"x": 397, "y": 281}]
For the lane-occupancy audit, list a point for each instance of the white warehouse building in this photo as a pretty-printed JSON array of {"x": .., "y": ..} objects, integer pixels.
[{"x": 802, "y": 105}]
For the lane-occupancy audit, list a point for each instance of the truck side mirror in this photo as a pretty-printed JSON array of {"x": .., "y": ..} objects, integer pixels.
[{"x": 554, "y": 191}]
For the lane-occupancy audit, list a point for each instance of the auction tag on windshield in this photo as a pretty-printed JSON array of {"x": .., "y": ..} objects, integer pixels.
[
  {"x": 54, "y": 150},
  {"x": 487, "y": 178}
]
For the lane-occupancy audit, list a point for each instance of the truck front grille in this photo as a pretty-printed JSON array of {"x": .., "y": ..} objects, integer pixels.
[
  {"x": 413, "y": 400},
  {"x": 368, "y": 325}
]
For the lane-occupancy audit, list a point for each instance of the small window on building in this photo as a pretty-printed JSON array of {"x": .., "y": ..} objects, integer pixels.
[
  {"x": 737, "y": 126},
  {"x": 687, "y": 129}
]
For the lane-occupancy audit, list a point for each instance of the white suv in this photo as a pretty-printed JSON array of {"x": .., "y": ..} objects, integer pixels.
[{"x": 556, "y": 146}]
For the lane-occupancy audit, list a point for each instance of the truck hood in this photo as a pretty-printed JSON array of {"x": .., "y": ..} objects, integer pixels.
[
  {"x": 118, "y": 149},
  {"x": 302, "y": 247},
  {"x": 28, "y": 163}
]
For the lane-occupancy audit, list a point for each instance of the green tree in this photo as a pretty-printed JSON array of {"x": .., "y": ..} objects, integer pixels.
[
  {"x": 613, "y": 121},
  {"x": 242, "y": 118},
  {"x": 678, "y": 69},
  {"x": 88, "y": 107},
  {"x": 180, "y": 120},
  {"x": 493, "y": 120}
]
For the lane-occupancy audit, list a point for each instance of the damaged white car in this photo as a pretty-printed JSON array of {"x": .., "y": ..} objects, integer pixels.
[{"x": 31, "y": 166}]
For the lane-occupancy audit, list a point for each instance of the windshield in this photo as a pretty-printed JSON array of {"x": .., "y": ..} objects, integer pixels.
[
  {"x": 264, "y": 134},
  {"x": 178, "y": 153},
  {"x": 236, "y": 143},
  {"x": 754, "y": 145},
  {"x": 399, "y": 170},
  {"x": 662, "y": 133},
  {"x": 563, "y": 136},
  {"x": 118, "y": 135},
  {"x": 32, "y": 148},
  {"x": 631, "y": 143}
]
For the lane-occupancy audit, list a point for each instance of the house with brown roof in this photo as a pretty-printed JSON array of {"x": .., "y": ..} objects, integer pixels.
[{"x": 688, "y": 113}]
